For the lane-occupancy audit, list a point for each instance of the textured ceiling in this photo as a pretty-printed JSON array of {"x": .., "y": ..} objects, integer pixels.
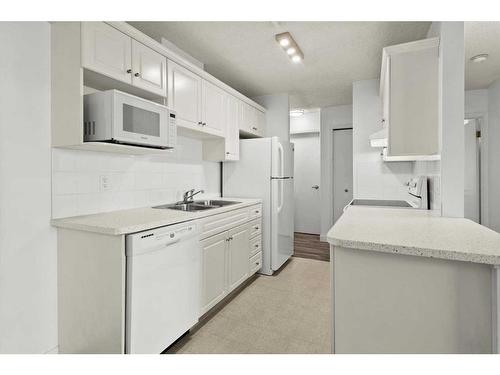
[
  {"x": 482, "y": 37},
  {"x": 246, "y": 56}
]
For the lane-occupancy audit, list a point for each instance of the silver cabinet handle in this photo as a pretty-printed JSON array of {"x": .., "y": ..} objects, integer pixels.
[
  {"x": 256, "y": 228},
  {"x": 136, "y": 74},
  {"x": 254, "y": 128},
  {"x": 200, "y": 123},
  {"x": 346, "y": 190},
  {"x": 227, "y": 153},
  {"x": 204, "y": 124},
  {"x": 256, "y": 245},
  {"x": 315, "y": 187},
  {"x": 129, "y": 71}
]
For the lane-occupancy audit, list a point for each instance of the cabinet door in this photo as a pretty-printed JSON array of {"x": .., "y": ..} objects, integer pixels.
[
  {"x": 238, "y": 251},
  {"x": 260, "y": 122},
  {"x": 214, "y": 266},
  {"x": 184, "y": 95},
  {"x": 107, "y": 51},
  {"x": 414, "y": 103},
  {"x": 214, "y": 116},
  {"x": 232, "y": 141},
  {"x": 149, "y": 69}
]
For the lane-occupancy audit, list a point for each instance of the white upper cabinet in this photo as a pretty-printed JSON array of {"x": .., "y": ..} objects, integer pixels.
[
  {"x": 106, "y": 51},
  {"x": 252, "y": 120},
  {"x": 149, "y": 69},
  {"x": 232, "y": 129},
  {"x": 410, "y": 100},
  {"x": 110, "y": 52},
  {"x": 184, "y": 95},
  {"x": 213, "y": 105}
]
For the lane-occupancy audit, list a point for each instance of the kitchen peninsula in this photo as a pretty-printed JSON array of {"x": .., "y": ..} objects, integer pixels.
[{"x": 410, "y": 281}]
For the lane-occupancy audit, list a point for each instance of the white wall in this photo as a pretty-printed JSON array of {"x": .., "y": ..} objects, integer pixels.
[
  {"x": 373, "y": 178},
  {"x": 334, "y": 117},
  {"x": 133, "y": 181},
  {"x": 277, "y": 115},
  {"x": 494, "y": 155},
  {"x": 28, "y": 263},
  {"x": 476, "y": 106},
  {"x": 309, "y": 122},
  {"x": 451, "y": 70}
]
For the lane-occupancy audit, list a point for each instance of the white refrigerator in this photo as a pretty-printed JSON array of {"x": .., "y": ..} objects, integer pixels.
[{"x": 265, "y": 170}]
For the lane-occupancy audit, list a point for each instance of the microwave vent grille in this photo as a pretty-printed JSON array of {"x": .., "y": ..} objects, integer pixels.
[{"x": 89, "y": 127}]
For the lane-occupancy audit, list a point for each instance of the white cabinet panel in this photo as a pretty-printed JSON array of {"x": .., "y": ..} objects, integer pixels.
[
  {"x": 149, "y": 69},
  {"x": 106, "y": 50},
  {"x": 214, "y": 265},
  {"x": 238, "y": 256},
  {"x": 232, "y": 129},
  {"x": 213, "y": 104},
  {"x": 184, "y": 95},
  {"x": 252, "y": 120}
]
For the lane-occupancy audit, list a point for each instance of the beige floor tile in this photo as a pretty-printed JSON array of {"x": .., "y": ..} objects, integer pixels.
[{"x": 285, "y": 313}]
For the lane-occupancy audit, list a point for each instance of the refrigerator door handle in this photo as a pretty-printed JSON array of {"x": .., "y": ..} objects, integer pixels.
[
  {"x": 282, "y": 159},
  {"x": 280, "y": 206}
]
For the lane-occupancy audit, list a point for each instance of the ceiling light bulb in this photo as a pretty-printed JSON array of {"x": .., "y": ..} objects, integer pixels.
[
  {"x": 284, "y": 42},
  {"x": 296, "y": 58},
  {"x": 290, "y": 51},
  {"x": 479, "y": 58},
  {"x": 296, "y": 113}
]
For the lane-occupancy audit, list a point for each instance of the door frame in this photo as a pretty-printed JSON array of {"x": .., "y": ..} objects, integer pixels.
[
  {"x": 482, "y": 122},
  {"x": 326, "y": 177}
]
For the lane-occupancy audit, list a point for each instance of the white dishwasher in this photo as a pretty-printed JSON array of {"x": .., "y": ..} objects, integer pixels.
[{"x": 163, "y": 286}]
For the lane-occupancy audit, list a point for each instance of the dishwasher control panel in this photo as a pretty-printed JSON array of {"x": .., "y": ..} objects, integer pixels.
[{"x": 141, "y": 242}]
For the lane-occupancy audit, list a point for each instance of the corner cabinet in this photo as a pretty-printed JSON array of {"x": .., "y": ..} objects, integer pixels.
[
  {"x": 410, "y": 100},
  {"x": 231, "y": 252}
]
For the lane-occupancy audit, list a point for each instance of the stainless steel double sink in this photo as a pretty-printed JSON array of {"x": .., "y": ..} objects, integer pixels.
[{"x": 199, "y": 205}]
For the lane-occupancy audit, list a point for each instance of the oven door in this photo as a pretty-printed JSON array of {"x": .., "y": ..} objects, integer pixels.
[{"x": 139, "y": 121}]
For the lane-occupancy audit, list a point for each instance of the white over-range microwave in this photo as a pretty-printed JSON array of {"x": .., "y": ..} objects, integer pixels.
[{"x": 117, "y": 117}]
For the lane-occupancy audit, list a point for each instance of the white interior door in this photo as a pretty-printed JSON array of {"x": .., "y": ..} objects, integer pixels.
[
  {"x": 472, "y": 172},
  {"x": 342, "y": 170},
  {"x": 307, "y": 179}
]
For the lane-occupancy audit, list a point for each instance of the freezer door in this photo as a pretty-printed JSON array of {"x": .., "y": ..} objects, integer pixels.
[
  {"x": 282, "y": 225},
  {"x": 282, "y": 158}
]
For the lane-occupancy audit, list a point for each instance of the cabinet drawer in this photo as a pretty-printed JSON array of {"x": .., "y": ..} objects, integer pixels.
[
  {"x": 255, "y": 212},
  {"x": 219, "y": 223},
  {"x": 255, "y": 263},
  {"x": 255, "y": 246},
  {"x": 255, "y": 227}
]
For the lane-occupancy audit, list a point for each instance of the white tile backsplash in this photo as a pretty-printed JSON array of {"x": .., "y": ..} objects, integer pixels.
[{"x": 78, "y": 178}]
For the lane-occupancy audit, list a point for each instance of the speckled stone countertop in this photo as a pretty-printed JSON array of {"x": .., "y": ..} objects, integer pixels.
[
  {"x": 140, "y": 219},
  {"x": 415, "y": 232}
]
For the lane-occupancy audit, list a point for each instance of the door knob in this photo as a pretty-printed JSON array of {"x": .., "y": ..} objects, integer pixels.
[{"x": 315, "y": 187}]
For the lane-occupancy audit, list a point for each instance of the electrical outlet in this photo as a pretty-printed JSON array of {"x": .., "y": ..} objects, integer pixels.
[{"x": 104, "y": 183}]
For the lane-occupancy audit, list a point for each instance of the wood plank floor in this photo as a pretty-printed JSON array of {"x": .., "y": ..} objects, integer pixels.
[{"x": 309, "y": 246}]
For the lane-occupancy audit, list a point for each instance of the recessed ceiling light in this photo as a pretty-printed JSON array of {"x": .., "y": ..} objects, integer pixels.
[
  {"x": 284, "y": 42},
  {"x": 479, "y": 58},
  {"x": 290, "y": 46},
  {"x": 296, "y": 113}
]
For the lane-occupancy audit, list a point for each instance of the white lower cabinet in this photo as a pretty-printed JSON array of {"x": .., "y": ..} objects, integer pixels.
[
  {"x": 214, "y": 265},
  {"x": 238, "y": 256},
  {"x": 228, "y": 257}
]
